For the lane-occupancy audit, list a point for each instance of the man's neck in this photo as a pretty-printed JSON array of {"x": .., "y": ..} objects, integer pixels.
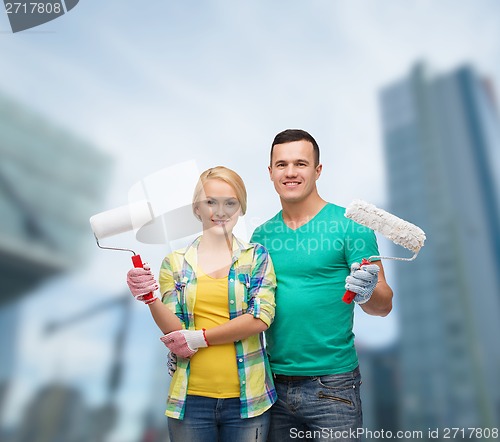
[{"x": 296, "y": 214}]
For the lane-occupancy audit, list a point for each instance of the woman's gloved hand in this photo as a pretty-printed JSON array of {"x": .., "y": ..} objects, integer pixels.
[
  {"x": 185, "y": 343},
  {"x": 141, "y": 282},
  {"x": 362, "y": 281}
]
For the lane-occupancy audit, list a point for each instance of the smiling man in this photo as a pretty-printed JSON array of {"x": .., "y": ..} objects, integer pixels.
[{"x": 316, "y": 253}]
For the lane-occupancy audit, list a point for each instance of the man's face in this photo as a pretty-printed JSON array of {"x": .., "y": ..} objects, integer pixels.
[{"x": 293, "y": 172}]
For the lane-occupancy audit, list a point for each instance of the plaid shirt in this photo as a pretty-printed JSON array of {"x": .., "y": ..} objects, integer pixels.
[{"x": 251, "y": 287}]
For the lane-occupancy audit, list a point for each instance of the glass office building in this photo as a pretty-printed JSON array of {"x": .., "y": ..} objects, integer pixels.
[
  {"x": 442, "y": 145},
  {"x": 51, "y": 182}
]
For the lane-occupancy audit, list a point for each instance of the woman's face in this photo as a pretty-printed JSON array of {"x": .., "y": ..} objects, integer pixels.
[{"x": 218, "y": 207}]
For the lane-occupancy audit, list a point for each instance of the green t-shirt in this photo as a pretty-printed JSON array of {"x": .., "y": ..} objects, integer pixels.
[{"x": 312, "y": 330}]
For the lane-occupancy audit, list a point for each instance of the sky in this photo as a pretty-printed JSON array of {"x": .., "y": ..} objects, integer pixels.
[{"x": 156, "y": 83}]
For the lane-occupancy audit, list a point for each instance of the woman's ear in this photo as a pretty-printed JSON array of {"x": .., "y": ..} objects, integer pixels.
[{"x": 197, "y": 212}]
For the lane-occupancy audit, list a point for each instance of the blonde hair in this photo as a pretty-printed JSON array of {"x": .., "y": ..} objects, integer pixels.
[{"x": 228, "y": 176}]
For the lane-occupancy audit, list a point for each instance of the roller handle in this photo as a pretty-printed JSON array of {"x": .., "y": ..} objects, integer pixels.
[
  {"x": 137, "y": 261},
  {"x": 348, "y": 295}
]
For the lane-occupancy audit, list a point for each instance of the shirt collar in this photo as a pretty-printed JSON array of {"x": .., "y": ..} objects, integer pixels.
[{"x": 191, "y": 255}]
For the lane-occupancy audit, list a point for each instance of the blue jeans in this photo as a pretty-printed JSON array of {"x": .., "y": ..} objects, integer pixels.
[
  {"x": 217, "y": 420},
  {"x": 321, "y": 409}
]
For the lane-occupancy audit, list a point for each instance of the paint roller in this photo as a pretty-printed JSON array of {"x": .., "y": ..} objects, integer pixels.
[
  {"x": 120, "y": 220},
  {"x": 399, "y": 231}
]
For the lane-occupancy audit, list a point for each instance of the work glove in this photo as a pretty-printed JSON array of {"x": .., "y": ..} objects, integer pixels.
[
  {"x": 141, "y": 282},
  {"x": 171, "y": 363},
  {"x": 362, "y": 281},
  {"x": 185, "y": 343}
]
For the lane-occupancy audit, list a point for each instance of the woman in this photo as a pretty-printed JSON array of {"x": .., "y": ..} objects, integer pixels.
[{"x": 217, "y": 300}]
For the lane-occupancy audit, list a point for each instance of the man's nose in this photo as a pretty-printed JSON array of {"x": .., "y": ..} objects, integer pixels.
[{"x": 290, "y": 170}]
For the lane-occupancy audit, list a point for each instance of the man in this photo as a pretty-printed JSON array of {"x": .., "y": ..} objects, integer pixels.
[{"x": 316, "y": 252}]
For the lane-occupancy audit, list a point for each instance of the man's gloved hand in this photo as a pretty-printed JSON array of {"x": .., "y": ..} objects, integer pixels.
[
  {"x": 172, "y": 363},
  {"x": 362, "y": 281},
  {"x": 141, "y": 282},
  {"x": 185, "y": 343}
]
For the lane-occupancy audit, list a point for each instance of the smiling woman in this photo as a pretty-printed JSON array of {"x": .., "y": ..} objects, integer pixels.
[{"x": 217, "y": 299}]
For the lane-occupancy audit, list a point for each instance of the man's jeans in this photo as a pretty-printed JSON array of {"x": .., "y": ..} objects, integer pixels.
[
  {"x": 217, "y": 420},
  {"x": 324, "y": 408}
]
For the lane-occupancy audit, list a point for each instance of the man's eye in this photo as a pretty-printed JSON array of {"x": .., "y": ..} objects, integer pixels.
[{"x": 210, "y": 202}]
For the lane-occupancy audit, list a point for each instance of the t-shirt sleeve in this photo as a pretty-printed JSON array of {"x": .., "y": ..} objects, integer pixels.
[{"x": 360, "y": 242}]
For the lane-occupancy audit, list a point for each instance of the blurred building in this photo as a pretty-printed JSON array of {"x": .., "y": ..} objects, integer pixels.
[
  {"x": 51, "y": 182},
  {"x": 380, "y": 391},
  {"x": 442, "y": 143},
  {"x": 155, "y": 422},
  {"x": 57, "y": 413}
]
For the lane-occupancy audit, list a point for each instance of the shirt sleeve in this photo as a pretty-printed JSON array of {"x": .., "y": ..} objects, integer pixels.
[
  {"x": 360, "y": 242},
  {"x": 262, "y": 286},
  {"x": 168, "y": 288}
]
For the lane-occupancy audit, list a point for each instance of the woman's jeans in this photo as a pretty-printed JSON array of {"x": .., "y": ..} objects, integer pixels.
[
  {"x": 323, "y": 408},
  {"x": 217, "y": 420}
]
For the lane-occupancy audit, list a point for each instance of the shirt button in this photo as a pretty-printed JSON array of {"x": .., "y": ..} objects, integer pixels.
[
  {"x": 231, "y": 280},
  {"x": 244, "y": 382},
  {"x": 232, "y": 301},
  {"x": 240, "y": 360}
]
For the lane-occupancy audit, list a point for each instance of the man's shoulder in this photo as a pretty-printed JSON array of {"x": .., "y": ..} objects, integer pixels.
[
  {"x": 276, "y": 219},
  {"x": 331, "y": 208}
]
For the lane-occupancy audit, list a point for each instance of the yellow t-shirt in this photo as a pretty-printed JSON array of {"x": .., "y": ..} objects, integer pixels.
[{"x": 213, "y": 370}]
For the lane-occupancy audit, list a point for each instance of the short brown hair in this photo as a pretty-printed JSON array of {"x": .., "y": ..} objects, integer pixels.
[{"x": 291, "y": 135}]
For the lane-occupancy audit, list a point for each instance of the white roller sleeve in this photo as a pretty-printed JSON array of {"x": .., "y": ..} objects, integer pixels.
[
  {"x": 396, "y": 229},
  {"x": 122, "y": 219}
]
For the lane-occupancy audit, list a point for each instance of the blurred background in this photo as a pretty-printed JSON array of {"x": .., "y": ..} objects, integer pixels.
[{"x": 401, "y": 97}]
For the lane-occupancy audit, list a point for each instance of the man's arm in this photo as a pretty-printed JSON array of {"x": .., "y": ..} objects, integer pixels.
[{"x": 380, "y": 303}]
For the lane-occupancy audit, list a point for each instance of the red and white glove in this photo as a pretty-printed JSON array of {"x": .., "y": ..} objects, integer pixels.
[
  {"x": 185, "y": 343},
  {"x": 141, "y": 282}
]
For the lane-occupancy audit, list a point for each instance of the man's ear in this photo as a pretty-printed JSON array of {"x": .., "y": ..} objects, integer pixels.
[
  {"x": 319, "y": 169},
  {"x": 270, "y": 170}
]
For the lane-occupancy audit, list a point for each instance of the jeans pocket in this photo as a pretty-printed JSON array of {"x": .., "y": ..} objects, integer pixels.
[
  {"x": 339, "y": 388},
  {"x": 334, "y": 397}
]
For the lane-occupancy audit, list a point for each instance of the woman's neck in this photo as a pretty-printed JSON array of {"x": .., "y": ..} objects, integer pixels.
[{"x": 215, "y": 254}]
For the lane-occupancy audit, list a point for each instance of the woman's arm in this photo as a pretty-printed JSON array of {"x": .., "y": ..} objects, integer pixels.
[
  {"x": 261, "y": 307},
  {"x": 166, "y": 320},
  {"x": 235, "y": 330},
  {"x": 165, "y": 311}
]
